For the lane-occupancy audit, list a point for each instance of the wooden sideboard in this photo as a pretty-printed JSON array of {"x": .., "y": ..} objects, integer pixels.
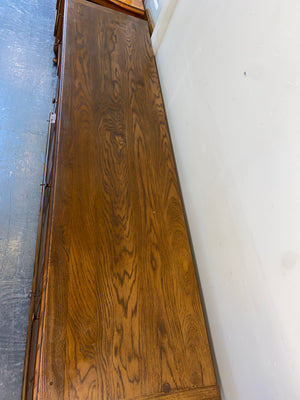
[{"x": 115, "y": 309}]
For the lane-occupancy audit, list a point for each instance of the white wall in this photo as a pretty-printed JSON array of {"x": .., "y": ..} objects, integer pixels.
[
  {"x": 230, "y": 74},
  {"x": 155, "y": 7}
]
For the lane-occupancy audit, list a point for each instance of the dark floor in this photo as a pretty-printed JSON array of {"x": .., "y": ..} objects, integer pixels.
[{"x": 27, "y": 85}]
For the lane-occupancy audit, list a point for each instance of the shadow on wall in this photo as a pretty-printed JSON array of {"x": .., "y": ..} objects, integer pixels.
[
  {"x": 154, "y": 7},
  {"x": 229, "y": 74}
]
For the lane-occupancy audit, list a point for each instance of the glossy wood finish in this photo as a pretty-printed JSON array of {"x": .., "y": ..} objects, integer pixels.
[
  {"x": 130, "y": 7},
  {"x": 120, "y": 315}
]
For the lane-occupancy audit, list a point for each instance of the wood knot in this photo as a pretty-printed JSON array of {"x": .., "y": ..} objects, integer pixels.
[{"x": 166, "y": 387}]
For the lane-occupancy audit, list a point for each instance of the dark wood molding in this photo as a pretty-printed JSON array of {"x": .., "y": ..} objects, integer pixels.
[{"x": 150, "y": 21}]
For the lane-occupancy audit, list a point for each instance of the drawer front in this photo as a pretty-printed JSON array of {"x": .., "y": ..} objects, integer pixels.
[
  {"x": 43, "y": 219},
  {"x": 45, "y": 205},
  {"x": 41, "y": 253},
  {"x": 31, "y": 361},
  {"x": 58, "y": 26},
  {"x": 59, "y": 47},
  {"x": 59, "y": 18},
  {"x": 41, "y": 250}
]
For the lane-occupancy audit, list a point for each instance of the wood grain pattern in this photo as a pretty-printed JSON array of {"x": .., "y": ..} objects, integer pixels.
[
  {"x": 130, "y": 7},
  {"x": 121, "y": 316},
  {"x": 206, "y": 393}
]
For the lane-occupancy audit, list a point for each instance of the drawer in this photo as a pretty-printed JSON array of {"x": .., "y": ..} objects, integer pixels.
[
  {"x": 44, "y": 213},
  {"x": 58, "y": 26},
  {"x": 59, "y": 18},
  {"x": 59, "y": 59},
  {"x": 32, "y": 345},
  {"x": 41, "y": 249}
]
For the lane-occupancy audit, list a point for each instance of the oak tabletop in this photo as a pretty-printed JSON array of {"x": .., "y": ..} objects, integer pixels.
[{"x": 121, "y": 316}]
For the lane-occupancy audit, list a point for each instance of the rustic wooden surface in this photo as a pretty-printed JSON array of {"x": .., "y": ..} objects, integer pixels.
[
  {"x": 130, "y": 7},
  {"x": 121, "y": 316},
  {"x": 204, "y": 393}
]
